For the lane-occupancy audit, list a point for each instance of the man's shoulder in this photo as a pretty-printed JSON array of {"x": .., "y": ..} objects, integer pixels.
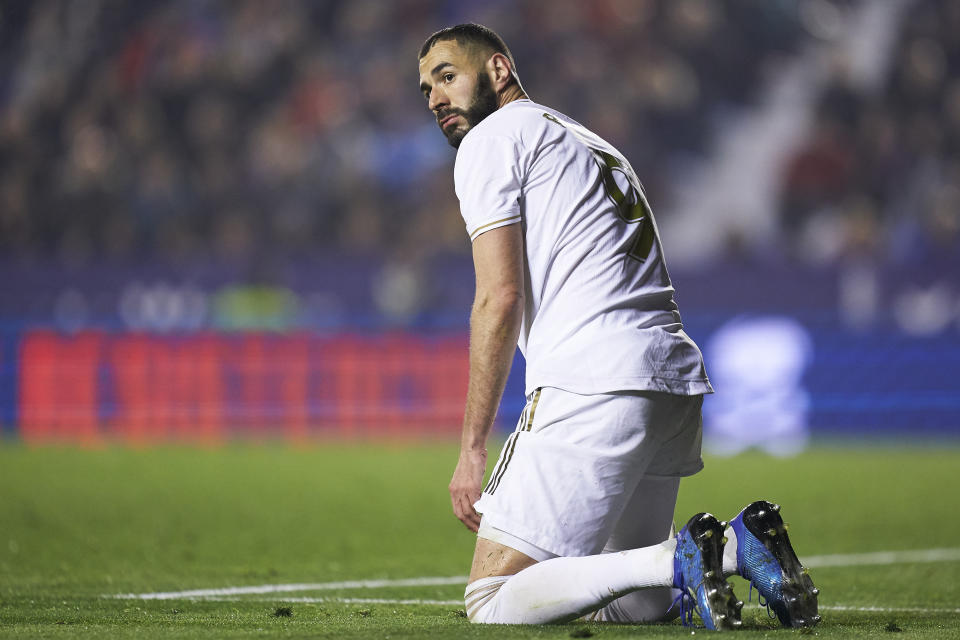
[
  {"x": 513, "y": 119},
  {"x": 520, "y": 124}
]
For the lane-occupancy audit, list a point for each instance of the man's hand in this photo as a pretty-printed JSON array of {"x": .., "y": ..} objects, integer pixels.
[{"x": 465, "y": 486}]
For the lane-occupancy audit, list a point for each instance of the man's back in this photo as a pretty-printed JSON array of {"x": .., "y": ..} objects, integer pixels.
[{"x": 599, "y": 312}]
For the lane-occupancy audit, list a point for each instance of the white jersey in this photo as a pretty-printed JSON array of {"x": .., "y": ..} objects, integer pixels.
[{"x": 599, "y": 312}]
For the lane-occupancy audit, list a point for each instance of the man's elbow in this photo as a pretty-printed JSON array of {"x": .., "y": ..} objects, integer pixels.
[{"x": 505, "y": 303}]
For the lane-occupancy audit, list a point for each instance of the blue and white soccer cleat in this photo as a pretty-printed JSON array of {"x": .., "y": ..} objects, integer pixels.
[
  {"x": 698, "y": 573},
  {"x": 766, "y": 559}
]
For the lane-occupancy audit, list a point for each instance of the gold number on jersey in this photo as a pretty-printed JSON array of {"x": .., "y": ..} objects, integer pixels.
[{"x": 632, "y": 207}]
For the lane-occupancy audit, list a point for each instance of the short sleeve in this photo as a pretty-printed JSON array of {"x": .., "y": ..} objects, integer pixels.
[{"x": 488, "y": 183}]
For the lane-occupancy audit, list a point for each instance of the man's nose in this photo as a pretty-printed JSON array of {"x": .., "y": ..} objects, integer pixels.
[{"x": 437, "y": 99}]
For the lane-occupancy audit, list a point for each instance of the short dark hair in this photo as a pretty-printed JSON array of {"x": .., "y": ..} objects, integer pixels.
[{"x": 470, "y": 33}]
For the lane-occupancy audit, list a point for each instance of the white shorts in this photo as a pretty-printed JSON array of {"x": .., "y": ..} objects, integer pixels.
[{"x": 574, "y": 461}]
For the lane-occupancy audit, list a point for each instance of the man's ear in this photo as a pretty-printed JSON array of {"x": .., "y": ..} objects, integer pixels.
[{"x": 500, "y": 71}]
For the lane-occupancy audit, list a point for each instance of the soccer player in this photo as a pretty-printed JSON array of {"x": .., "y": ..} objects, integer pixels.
[{"x": 577, "y": 514}]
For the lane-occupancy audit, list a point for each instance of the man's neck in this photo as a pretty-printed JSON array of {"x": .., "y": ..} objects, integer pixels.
[{"x": 510, "y": 94}]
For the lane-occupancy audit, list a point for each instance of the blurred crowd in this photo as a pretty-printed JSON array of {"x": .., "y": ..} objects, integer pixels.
[
  {"x": 246, "y": 129},
  {"x": 879, "y": 177},
  {"x": 234, "y": 128}
]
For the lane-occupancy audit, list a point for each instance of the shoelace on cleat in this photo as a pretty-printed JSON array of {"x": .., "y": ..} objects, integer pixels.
[
  {"x": 770, "y": 612},
  {"x": 688, "y": 606}
]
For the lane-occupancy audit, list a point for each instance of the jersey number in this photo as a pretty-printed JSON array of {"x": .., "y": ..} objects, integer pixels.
[{"x": 632, "y": 206}]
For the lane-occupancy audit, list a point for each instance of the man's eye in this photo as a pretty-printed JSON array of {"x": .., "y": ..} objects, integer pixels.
[{"x": 448, "y": 77}]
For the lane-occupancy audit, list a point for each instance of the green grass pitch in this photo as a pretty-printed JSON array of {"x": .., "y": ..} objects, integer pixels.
[{"x": 77, "y": 527}]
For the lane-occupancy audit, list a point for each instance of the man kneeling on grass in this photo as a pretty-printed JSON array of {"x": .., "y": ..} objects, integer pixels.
[{"x": 577, "y": 514}]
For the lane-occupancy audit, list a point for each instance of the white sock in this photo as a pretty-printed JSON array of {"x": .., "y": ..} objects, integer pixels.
[
  {"x": 646, "y": 605},
  {"x": 563, "y": 589},
  {"x": 730, "y": 553}
]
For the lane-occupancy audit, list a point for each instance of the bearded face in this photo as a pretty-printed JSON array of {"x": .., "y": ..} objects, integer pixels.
[
  {"x": 482, "y": 104},
  {"x": 458, "y": 89}
]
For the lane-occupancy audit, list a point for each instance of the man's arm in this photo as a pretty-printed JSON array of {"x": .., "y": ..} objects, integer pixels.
[{"x": 494, "y": 327}]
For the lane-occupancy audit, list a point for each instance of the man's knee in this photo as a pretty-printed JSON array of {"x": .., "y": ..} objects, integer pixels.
[
  {"x": 480, "y": 598},
  {"x": 493, "y": 564}
]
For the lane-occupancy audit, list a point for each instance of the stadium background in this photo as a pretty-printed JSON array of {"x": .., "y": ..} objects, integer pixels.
[{"x": 225, "y": 219}]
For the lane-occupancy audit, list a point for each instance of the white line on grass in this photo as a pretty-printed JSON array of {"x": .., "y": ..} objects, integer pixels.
[
  {"x": 882, "y": 557},
  {"x": 286, "y": 588},
  {"x": 836, "y": 560},
  {"x": 459, "y": 603},
  {"x": 334, "y": 599},
  {"x": 840, "y": 607}
]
